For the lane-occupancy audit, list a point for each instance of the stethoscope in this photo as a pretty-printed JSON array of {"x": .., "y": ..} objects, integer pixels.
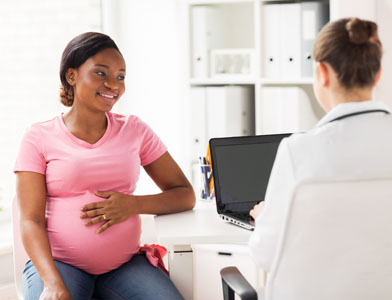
[{"x": 360, "y": 113}]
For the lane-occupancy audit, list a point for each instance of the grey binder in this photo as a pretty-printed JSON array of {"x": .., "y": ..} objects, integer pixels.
[{"x": 314, "y": 15}]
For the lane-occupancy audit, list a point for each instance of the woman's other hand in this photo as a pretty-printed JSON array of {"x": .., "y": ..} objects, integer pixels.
[
  {"x": 57, "y": 292},
  {"x": 115, "y": 209},
  {"x": 257, "y": 210}
]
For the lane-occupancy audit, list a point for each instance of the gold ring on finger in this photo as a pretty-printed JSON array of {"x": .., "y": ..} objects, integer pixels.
[{"x": 104, "y": 217}]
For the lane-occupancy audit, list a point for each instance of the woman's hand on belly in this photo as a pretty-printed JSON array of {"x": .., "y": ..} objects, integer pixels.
[{"x": 115, "y": 209}]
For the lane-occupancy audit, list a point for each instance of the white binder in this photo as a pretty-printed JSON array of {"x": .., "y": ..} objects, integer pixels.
[
  {"x": 198, "y": 123},
  {"x": 216, "y": 112},
  {"x": 290, "y": 47},
  {"x": 297, "y": 113},
  {"x": 285, "y": 110},
  {"x": 219, "y": 112},
  {"x": 241, "y": 102},
  {"x": 290, "y": 30},
  {"x": 270, "y": 106},
  {"x": 272, "y": 40},
  {"x": 199, "y": 15},
  {"x": 207, "y": 32},
  {"x": 230, "y": 111}
]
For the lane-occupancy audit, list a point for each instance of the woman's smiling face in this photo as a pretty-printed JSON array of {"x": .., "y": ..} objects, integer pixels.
[{"x": 99, "y": 82}]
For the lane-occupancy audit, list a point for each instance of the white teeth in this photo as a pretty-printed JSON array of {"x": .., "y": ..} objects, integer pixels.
[{"x": 107, "y": 96}]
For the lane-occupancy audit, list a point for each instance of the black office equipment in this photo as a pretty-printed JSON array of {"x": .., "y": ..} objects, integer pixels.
[{"x": 241, "y": 167}]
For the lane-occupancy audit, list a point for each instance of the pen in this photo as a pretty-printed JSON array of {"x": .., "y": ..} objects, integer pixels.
[
  {"x": 211, "y": 177},
  {"x": 205, "y": 191},
  {"x": 206, "y": 169}
]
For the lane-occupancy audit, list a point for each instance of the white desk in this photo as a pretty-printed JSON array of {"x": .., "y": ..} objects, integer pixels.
[{"x": 202, "y": 225}]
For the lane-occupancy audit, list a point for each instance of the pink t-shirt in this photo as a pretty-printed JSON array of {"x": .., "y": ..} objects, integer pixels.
[{"x": 73, "y": 170}]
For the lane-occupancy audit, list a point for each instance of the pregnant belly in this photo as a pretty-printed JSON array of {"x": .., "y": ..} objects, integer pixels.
[{"x": 78, "y": 245}]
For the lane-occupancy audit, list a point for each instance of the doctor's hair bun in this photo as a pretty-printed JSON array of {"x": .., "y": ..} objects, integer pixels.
[
  {"x": 352, "y": 48},
  {"x": 361, "y": 31}
]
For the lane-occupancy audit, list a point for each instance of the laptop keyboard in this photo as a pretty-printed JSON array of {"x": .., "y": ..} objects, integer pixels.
[{"x": 242, "y": 216}]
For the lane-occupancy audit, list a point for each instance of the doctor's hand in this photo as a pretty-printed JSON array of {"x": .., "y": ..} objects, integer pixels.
[
  {"x": 257, "y": 210},
  {"x": 115, "y": 209}
]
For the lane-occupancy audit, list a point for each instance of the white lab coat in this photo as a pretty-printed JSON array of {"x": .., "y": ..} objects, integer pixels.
[{"x": 352, "y": 148}]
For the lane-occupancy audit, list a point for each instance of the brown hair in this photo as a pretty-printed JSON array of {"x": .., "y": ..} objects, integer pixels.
[
  {"x": 353, "y": 49},
  {"x": 78, "y": 50}
]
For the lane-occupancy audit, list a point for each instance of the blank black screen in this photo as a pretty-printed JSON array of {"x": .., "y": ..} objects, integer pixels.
[{"x": 244, "y": 171}]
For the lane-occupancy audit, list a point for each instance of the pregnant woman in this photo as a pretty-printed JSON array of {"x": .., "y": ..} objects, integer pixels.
[{"x": 76, "y": 175}]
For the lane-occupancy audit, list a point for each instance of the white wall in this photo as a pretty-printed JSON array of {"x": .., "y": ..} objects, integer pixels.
[
  {"x": 379, "y": 11},
  {"x": 353, "y": 8},
  {"x": 147, "y": 33},
  {"x": 33, "y": 35},
  {"x": 384, "y": 20}
]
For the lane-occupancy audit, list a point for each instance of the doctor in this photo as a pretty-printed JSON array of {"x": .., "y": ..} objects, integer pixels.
[{"x": 353, "y": 140}]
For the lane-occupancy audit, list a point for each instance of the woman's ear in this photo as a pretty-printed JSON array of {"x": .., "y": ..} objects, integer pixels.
[
  {"x": 323, "y": 74},
  {"x": 378, "y": 76},
  {"x": 70, "y": 75}
]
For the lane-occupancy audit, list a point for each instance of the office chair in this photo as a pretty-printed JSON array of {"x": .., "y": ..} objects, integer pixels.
[
  {"x": 336, "y": 244},
  {"x": 234, "y": 281}
]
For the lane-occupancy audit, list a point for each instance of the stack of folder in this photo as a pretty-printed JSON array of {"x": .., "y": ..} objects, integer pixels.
[{"x": 290, "y": 30}]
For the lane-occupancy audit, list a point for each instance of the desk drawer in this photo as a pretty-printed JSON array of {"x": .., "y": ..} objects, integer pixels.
[{"x": 208, "y": 260}]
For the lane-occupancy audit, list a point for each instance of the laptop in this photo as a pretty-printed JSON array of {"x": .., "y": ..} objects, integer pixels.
[{"x": 241, "y": 167}]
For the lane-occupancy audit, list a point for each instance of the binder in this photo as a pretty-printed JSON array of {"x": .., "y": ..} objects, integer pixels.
[
  {"x": 296, "y": 110},
  {"x": 290, "y": 47},
  {"x": 198, "y": 122},
  {"x": 199, "y": 15},
  {"x": 230, "y": 111},
  {"x": 286, "y": 110},
  {"x": 314, "y": 15},
  {"x": 270, "y": 106},
  {"x": 216, "y": 112},
  {"x": 240, "y": 107},
  {"x": 219, "y": 112},
  {"x": 290, "y": 30},
  {"x": 272, "y": 40},
  {"x": 207, "y": 32}
]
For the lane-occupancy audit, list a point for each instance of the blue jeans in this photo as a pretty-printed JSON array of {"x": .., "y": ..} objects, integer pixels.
[{"x": 136, "y": 280}]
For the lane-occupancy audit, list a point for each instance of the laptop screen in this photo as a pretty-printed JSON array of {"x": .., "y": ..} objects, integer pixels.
[{"x": 241, "y": 168}]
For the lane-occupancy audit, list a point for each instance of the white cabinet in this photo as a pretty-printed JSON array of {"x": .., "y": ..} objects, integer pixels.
[
  {"x": 180, "y": 269},
  {"x": 208, "y": 260}
]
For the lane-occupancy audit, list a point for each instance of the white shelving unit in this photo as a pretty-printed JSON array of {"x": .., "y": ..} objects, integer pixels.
[
  {"x": 222, "y": 26},
  {"x": 240, "y": 24}
]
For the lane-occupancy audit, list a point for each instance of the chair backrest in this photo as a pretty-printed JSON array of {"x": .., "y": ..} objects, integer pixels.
[
  {"x": 336, "y": 243},
  {"x": 20, "y": 255}
]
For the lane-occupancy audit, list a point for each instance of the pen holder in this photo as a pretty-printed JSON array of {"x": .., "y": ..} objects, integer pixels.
[{"x": 206, "y": 191}]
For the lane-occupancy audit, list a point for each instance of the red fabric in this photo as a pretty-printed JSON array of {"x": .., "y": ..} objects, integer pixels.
[{"x": 155, "y": 254}]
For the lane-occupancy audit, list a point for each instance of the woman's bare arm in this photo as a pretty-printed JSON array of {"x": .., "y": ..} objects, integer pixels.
[
  {"x": 177, "y": 193},
  {"x": 31, "y": 197}
]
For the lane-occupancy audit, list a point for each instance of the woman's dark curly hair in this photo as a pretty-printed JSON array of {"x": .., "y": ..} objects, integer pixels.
[{"x": 78, "y": 50}]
